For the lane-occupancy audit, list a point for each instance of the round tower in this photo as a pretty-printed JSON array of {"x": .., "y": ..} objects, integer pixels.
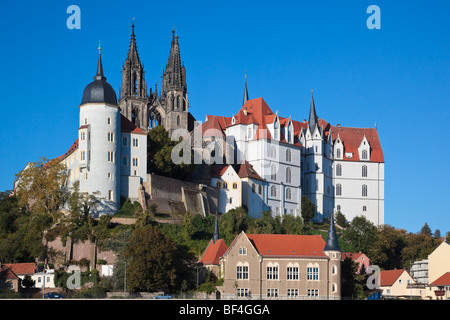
[
  {"x": 333, "y": 251},
  {"x": 98, "y": 143}
]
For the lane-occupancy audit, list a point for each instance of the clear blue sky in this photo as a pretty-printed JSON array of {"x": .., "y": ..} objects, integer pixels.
[{"x": 398, "y": 76}]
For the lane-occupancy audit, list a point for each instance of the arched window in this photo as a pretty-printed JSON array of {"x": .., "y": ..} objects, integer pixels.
[
  {"x": 288, "y": 155},
  {"x": 364, "y": 208},
  {"x": 288, "y": 194},
  {"x": 338, "y": 153},
  {"x": 338, "y": 207},
  {"x": 178, "y": 120},
  {"x": 273, "y": 172},
  {"x": 288, "y": 175},
  {"x": 364, "y": 154},
  {"x": 339, "y": 189},
  {"x": 364, "y": 171},
  {"x": 273, "y": 191},
  {"x": 218, "y": 184},
  {"x": 364, "y": 190},
  {"x": 338, "y": 170},
  {"x": 235, "y": 185}
]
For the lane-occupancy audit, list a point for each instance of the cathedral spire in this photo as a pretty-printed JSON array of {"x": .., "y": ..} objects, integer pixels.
[
  {"x": 174, "y": 74},
  {"x": 245, "y": 92},
  {"x": 313, "y": 120}
]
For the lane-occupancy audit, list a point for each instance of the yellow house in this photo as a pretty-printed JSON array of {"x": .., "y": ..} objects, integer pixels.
[
  {"x": 439, "y": 262},
  {"x": 398, "y": 284}
]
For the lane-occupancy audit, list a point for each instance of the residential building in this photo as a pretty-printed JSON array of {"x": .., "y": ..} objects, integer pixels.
[
  {"x": 439, "y": 262},
  {"x": 9, "y": 280},
  {"x": 441, "y": 287},
  {"x": 398, "y": 283},
  {"x": 360, "y": 258},
  {"x": 280, "y": 266}
]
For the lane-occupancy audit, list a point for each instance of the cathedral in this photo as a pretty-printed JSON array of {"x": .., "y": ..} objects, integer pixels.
[{"x": 145, "y": 109}]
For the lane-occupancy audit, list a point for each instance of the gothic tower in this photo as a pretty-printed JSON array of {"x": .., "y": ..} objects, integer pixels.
[
  {"x": 134, "y": 100},
  {"x": 333, "y": 251},
  {"x": 174, "y": 99}
]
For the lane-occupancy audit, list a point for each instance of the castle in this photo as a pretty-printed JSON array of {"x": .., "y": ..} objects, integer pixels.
[{"x": 270, "y": 164}]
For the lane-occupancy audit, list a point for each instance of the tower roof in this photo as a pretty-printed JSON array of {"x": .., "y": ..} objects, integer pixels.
[
  {"x": 245, "y": 92},
  {"x": 313, "y": 121},
  {"x": 174, "y": 75},
  {"x": 99, "y": 91},
  {"x": 332, "y": 240}
]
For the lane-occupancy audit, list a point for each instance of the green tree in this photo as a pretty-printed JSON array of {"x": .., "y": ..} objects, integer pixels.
[
  {"x": 42, "y": 187},
  {"x": 386, "y": 250},
  {"x": 426, "y": 230},
  {"x": 360, "y": 234},
  {"x": 417, "y": 247},
  {"x": 232, "y": 223},
  {"x": 159, "y": 158},
  {"x": 341, "y": 221},
  {"x": 308, "y": 209},
  {"x": 150, "y": 257}
]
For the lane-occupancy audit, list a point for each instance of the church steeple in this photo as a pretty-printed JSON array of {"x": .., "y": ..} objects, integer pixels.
[
  {"x": 245, "y": 92},
  {"x": 313, "y": 120},
  {"x": 133, "y": 80},
  {"x": 174, "y": 77}
]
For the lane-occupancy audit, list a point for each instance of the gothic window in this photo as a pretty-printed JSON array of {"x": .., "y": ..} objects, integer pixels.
[
  {"x": 272, "y": 272},
  {"x": 288, "y": 155},
  {"x": 288, "y": 194},
  {"x": 273, "y": 191},
  {"x": 364, "y": 190},
  {"x": 312, "y": 272},
  {"x": 364, "y": 171},
  {"x": 124, "y": 161},
  {"x": 235, "y": 185},
  {"x": 339, "y": 189},
  {"x": 364, "y": 208},
  {"x": 338, "y": 153},
  {"x": 364, "y": 154},
  {"x": 274, "y": 172},
  {"x": 135, "y": 142},
  {"x": 338, "y": 170},
  {"x": 288, "y": 175}
]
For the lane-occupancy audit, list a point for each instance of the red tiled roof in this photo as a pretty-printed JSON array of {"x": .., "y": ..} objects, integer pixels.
[
  {"x": 443, "y": 280},
  {"x": 350, "y": 255},
  {"x": 22, "y": 268},
  {"x": 243, "y": 170},
  {"x": 388, "y": 277},
  {"x": 246, "y": 171},
  {"x": 288, "y": 244},
  {"x": 351, "y": 139},
  {"x": 6, "y": 273},
  {"x": 128, "y": 126},
  {"x": 70, "y": 151},
  {"x": 213, "y": 252},
  {"x": 258, "y": 112}
]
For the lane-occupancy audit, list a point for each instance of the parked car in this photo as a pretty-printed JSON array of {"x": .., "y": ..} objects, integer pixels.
[
  {"x": 53, "y": 295},
  {"x": 161, "y": 296}
]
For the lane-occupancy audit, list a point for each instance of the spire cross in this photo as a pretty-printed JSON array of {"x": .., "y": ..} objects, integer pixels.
[{"x": 99, "y": 47}]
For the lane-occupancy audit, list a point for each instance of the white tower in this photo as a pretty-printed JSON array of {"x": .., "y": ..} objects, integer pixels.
[{"x": 99, "y": 138}]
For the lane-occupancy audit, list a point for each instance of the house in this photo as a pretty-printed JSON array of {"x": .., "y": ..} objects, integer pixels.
[
  {"x": 439, "y": 262},
  {"x": 441, "y": 287},
  {"x": 360, "y": 258},
  {"x": 214, "y": 251},
  {"x": 398, "y": 283},
  {"x": 282, "y": 266},
  {"x": 30, "y": 269},
  {"x": 8, "y": 279}
]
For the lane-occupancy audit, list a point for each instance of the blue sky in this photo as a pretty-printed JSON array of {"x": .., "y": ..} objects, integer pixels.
[{"x": 397, "y": 76}]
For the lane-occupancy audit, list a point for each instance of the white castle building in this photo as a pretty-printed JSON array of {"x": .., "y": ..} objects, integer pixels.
[
  {"x": 110, "y": 154},
  {"x": 337, "y": 168}
]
